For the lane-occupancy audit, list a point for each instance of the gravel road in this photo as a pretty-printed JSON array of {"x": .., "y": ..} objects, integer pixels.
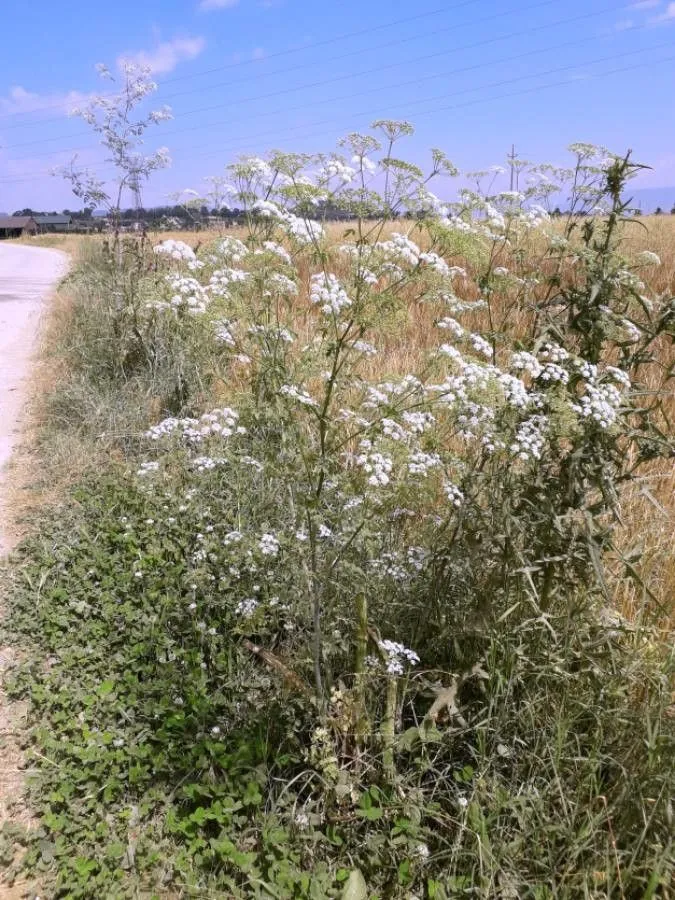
[{"x": 27, "y": 277}]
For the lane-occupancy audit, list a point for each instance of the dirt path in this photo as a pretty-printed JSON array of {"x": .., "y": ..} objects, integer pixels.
[{"x": 27, "y": 276}]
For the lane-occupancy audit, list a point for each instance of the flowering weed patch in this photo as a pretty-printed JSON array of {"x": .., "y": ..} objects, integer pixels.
[{"x": 337, "y": 620}]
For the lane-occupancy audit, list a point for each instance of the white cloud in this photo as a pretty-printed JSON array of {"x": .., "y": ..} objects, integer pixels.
[
  {"x": 667, "y": 16},
  {"x": 645, "y": 4},
  {"x": 19, "y": 100},
  {"x": 167, "y": 55},
  {"x": 624, "y": 25},
  {"x": 206, "y": 5},
  {"x": 258, "y": 53}
]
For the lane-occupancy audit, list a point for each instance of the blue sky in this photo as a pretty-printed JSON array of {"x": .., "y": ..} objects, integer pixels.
[{"x": 245, "y": 76}]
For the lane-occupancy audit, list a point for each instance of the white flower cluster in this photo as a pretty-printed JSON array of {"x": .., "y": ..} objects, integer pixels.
[
  {"x": 528, "y": 442},
  {"x": 305, "y": 231},
  {"x": 553, "y": 372},
  {"x": 452, "y": 352},
  {"x": 554, "y": 353},
  {"x": 474, "y": 391},
  {"x": 420, "y": 463},
  {"x": 399, "y": 249},
  {"x": 522, "y": 361},
  {"x": 394, "y": 430},
  {"x": 269, "y": 545},
  {"x": 177, "y": 250},
  {"x": 632, "y": 332},
  {"x": 515, "y": 392},
  {"x": 390, "y": 564},
  {"x": 232, "y": 249},
  {"x": 207, "y": 463},
  {"x": 336, "y": 168},
  {"x": 282, "y": 284},
  {"x": 273, "y": 332},
  {"x": 224, "y": 332},
  {"x": 247, "y": 607},
  {"x": 453, "y": 493},
  {"x": 546, "y": 368},
  {"x": 277, "y": 250},
  {"x": 601, "y": 403},
  {"x": 327, "y": 293},
  {"x": 397, "y": 657},
  {"x": 459, "y": 306},
  {"x": 430, "y": 203},
  {"x": 147, "y": 468},
  {"x": 480, "y": 345},
  {"x": 377, "y": 466},
  {"x": 221, "y": 280},
  {"x": 298, "y": 394},
  {"x": 365, "y": 348},
  {"x": 451, "y": 325},
  {"x": 267, "y": 209},
  {"x": 435, "y": 262},
  {"x": 649, "y": 258},
  {"x": 414, "y": 423},
  {"x": 473, "y": 418},
  {"x": 188, "y": 295},
  {"x": 619, "y": 376},
  {"x": 221, "y": 423},
  {"x": 418, "y": 422}
]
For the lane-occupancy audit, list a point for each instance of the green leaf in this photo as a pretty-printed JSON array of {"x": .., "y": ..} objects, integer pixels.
[
  {"x": 106, "y": 688},
  {"x": 404, "y": 874},
  {"x": 46, "y": 850},
  {"x": 115, "y": 851},
  {"x": 84, "y": 867},
  {"x": 372, "y": 814},
  {"x": 435, "y": 890},
  {"x": 355, "y": 888},
  {"x": 409, "y": 738}
]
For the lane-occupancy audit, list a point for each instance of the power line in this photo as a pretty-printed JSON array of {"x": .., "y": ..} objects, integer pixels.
[
  {"x": 469, "y": 103},
  {"x": 341, "y": 37},
  {"x": 302, "y": 66},
  {"x": 336, "y": 39},
  {"x": 398, "y": 41},
  {"x": 380, "y": 110},
  {"x": 373, "y": 70},
  {"x": 435, "y": 111}
]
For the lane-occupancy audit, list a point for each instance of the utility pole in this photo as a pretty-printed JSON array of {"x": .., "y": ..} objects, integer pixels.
[
  {"x": 512, "y": 165},
  {"x": 135, "y": 188}
]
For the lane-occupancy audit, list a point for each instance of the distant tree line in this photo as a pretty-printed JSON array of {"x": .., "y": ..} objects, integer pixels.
[{"x": 178, "y": 216}]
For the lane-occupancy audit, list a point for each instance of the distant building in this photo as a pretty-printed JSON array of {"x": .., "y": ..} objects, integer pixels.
[
  {"x": 17, "y": 226},
  {"x": 47, "y": 224}
]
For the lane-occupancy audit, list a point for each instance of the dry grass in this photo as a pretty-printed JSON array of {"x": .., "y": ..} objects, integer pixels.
[
  {"x": 648, "y": 511},
  {"x": 69, "y": 243}
]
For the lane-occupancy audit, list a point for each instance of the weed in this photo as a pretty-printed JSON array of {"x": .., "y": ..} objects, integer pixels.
[{"x": 337, "y": 619}]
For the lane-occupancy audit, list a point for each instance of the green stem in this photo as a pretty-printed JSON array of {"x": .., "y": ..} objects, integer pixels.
[
  {"x": 362, "y": 725},
  {"x": 389, "y": 729}
]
